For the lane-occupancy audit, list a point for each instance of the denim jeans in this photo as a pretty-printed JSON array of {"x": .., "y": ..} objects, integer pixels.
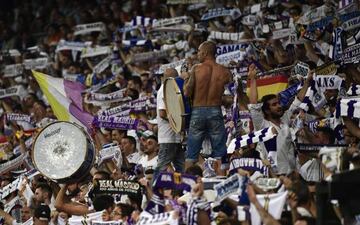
[
  {"x": 206, "y": 122},
  {"x": 170, "y": 153}
]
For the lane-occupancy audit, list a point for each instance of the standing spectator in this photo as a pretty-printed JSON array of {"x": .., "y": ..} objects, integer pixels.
[
  {"x": 205, "y": 86},
  {"x": 170, "y": 150}
]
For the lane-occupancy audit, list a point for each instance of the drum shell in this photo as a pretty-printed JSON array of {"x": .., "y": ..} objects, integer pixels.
[
  {"x": 83, "y": 170},
  {"x": 176, "y": 86}
]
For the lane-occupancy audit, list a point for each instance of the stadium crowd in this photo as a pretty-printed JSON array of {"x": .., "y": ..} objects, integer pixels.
[{"x": 270, "y": 132}]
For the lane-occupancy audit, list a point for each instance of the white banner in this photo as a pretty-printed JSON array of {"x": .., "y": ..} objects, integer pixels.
[
  {"x": 225, "y": 59},
  {"x": 149, "y": 56},
  {"x": 10, "y": 188},
  {"x": 331, "y": 157},
  {"x": 231, "y": 185},
  {"x": 167, "y": 218},
  {"x": 283, "y": 33},
  {"x": 313, "y": 15},
  {"x": 351, "y": 24},
  {"x": 185, "y": 2},
  {"x": 180, "y": 45},
  {"x": 89, "y": 27},
  {"x": 39, "y": 63},
  {"x": 11, "y": 91},
  {"x": 110, "y": 152},
  {"x": 102, "y": 65},
  {"x": 85, "y": 219},
  {"x": 13, "y": 70},
  {"x": 222, "y": 49},
  {"x": 171, "y": 21},
  {"x": 174, "y": 28},
  {"x": 267, "y": 183},
  {"x": 12, "y": 164},
  {"x": 96, "y": 222},
  {"x": 170, "y": 65},
  {"x": 328, "y": 82},
  {"x": 272, "y": 203},
  {"x": 98, "y": 50},
  {"x": 106, "y": 97},
  {"x": 220, "y": 12},
  {"x": 71, "y": 77},
  {"x": 71, "y": 45},
  {"x": 226, "y": 36},
  {"x": 301, "y": 69}
]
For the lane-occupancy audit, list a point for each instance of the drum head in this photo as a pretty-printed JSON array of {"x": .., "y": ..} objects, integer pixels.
[
  {"x": 174, "y": 105},
  {"x": 59, "y": 150}
]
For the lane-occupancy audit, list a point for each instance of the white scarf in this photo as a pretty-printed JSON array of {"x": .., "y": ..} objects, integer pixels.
[
  {"x": 98, "y": 50},
  {"x": 17, "y": 90},
  {"x": 86, "y": 219},
  {"x": 220, "y": 12},
  {"x": 171, "y": 21},
  {"x": 170, "y": 65},
  {"x": 313, "y": 15},
  {"x": 89, "y": 27},
  {"x": 71, "y": 45},
  {"x": 231, "y": 185},
  {"x": 226, "y": 36},
  {"x": 102, "y": 65},
  {"x": 167, "y": 218},
  {"x": 222, "y": 49},
  {"x": 13, "y": 70},
  {"x": 255, "y": 137},
  {"x": 349, "y": 107},
  {"x": 351, "y": 24},
  {"x": 149, "y": 56},
  {"x": 39, "y": 63},
  {"x": 351, "y": 54},
  {"x": 184, "y": 2}
]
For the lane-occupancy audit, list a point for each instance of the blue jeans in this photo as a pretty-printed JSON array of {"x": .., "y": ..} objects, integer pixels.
[
  {"x": 206, "y": 122},
  {"x": 170, "y": 153}
]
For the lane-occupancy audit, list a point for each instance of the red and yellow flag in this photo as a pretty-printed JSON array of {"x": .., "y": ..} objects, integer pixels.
[{"x": 269, "y": 85}]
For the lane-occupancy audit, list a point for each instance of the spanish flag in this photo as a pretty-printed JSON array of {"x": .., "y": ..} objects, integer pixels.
[{"x": 269, "y": 85}]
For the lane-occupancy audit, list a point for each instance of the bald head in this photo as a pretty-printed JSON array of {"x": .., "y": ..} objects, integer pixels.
[
  {"x": 207, "y": 50},
  {"x": 170, "y": 72}
]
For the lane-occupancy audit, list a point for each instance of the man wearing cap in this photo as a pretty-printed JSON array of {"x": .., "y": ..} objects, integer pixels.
[
  {"x": 42, "y": 215},
  {"x": 170, "y": 150}
]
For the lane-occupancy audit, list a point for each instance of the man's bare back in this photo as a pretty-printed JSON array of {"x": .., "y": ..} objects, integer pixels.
[{"x": 210, "y": 79}]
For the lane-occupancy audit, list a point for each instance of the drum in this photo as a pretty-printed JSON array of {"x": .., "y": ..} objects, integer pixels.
[
  {"x": 177, "y": 105},
  {"x": 63, "y": 152}
]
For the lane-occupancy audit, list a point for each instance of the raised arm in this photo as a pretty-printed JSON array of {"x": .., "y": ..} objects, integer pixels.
[
  {"x": 68, "y": 207},
  {"x": 302, "y": 92},
  {"x": 189, "y": 85},
  {"x": 8, "y": 218},
  {"x": 253, "y": 95},
  {"x": 266, "y": 218}
]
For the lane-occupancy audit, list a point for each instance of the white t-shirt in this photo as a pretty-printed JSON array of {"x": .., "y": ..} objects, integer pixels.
[
  {"x": 148, "y": 164},
  {"x": 282, "y": 157},
  {"x": 134, "y": 157},
  {"x": 165, "y": 133}
]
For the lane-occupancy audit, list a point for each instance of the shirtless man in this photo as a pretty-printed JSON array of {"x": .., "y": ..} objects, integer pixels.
[{"x": 205, "y": 86}]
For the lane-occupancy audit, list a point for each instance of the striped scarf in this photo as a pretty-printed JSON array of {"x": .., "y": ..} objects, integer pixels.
[
  {"x": 194, "y": 206},
  {"x": 257, "y": 136},
  {"x": 354, "y": 90},
  {"x": 349, "y": 107},
  {"x": 313, "y": 97},
  {"x": 140, "y": 21}
]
